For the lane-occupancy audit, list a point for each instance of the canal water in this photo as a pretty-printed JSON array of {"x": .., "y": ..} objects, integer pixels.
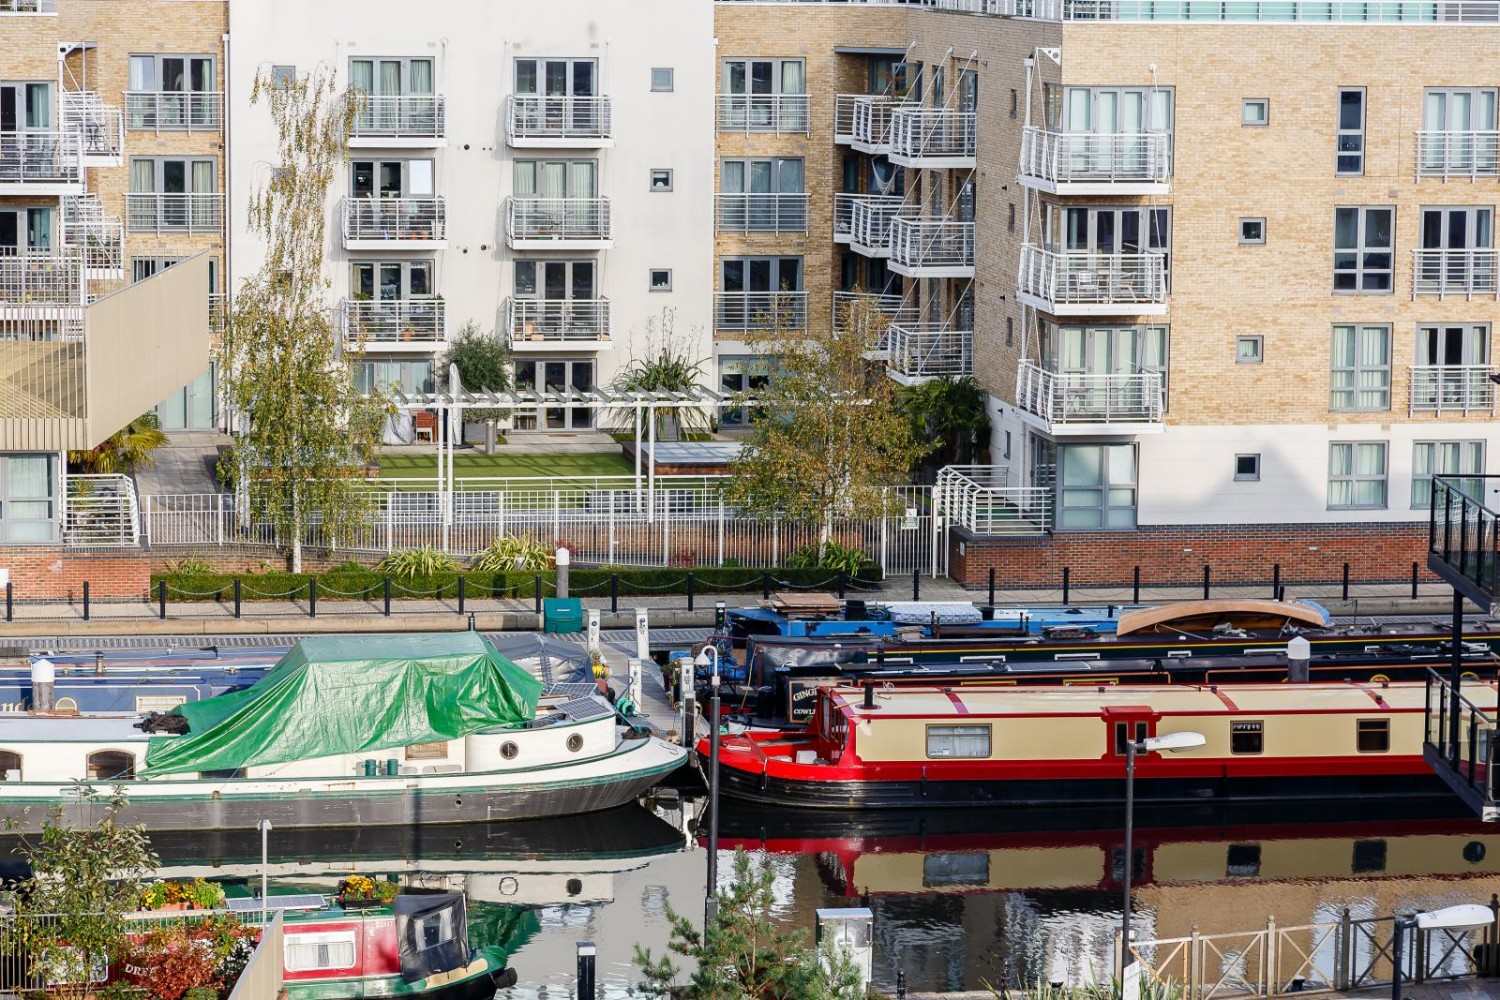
[{"x": 960, "y": 898}]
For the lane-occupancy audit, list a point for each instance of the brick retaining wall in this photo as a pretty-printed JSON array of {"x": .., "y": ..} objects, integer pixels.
[{"x": 52, "y": 573}]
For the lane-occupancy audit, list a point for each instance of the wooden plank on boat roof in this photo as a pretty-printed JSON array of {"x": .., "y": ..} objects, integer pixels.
[{"x": 805, "y": 603}]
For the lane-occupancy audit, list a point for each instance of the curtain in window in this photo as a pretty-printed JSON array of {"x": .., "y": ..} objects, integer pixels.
[
  {"x": 420, "y": 81},
  {"x": 1375, "y": 370},
  {"x": 39, "y": 228},
  {"x": 203, "y": 207},
  {"x": 793, "y": 77}
]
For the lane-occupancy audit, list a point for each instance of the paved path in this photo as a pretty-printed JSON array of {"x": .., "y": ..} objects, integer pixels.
[{"x": 185, "y": 466}]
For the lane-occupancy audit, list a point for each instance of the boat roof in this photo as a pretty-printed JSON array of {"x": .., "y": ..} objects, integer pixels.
[
  {"x": 100, "y": 727},
  {"x": 980, "y": 701},
  {"x": 1293, "y": 611}
]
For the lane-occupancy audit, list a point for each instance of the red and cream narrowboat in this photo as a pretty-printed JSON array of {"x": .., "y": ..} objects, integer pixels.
[{"x": 921, "y": 748}]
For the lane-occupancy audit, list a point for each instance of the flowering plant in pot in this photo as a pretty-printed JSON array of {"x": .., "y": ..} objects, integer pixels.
[
  {"x": 169, "y": 894},
  {"x": 359, "y": 891}
]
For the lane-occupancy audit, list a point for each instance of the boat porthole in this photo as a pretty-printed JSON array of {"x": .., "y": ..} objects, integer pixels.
[
  {"x": 1379, "y": 679},
  {"x": 1474, "y": 852},
  {"x": 574, "y": 887},
  {"x": 509, "y": 886},
  {"x": 458, "y": 845},
  {"x": 575, "y": 743},
  {"x": 508, "y": 750},
  {"x": 458, "y": 800}
]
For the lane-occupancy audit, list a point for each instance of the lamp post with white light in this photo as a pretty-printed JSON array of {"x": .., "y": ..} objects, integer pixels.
[
  {"x": 709, "y": 657},
  {"x": 1173, "y": 743},
  {"x": 1463, "y": 917}
]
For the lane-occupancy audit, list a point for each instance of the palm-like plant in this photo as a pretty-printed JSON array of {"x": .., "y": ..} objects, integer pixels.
[
  {"x": 950, "y": 412},
  {"x": 667, "y": 366},
  {"x": 125, "y": 450}
]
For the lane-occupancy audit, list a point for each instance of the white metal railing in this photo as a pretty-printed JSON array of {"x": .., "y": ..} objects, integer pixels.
[
  {"x": 781, "y": 113},
  {"x": 1059, "y": 398},
  {"x": 552, "y": 320},
  {"x": 923, "y": 242},
  {"x": 1453, "y": 272},
  {"x": 762, "y": 212},
  {"x": 99, "y": 238},
  {"x": 174, "y": 110},
  {"x": 1278, "y": 11},
  {"x": 41, "y": 158},
  {"x": 1452, "y": 389},
  {"x": 929, "y": 350},
  {"x": 41, "y": 277},
  {"x": 395, "y": 219},
  {"x": 387, "y": 321},
  {"x": 744, "y": 311},
  {"x": 190, "y": 213},
  {"x": 919, "y": 133},
  {"x": 101, "y": 127},
  {"x": 864, "y": 119},
  {"x": 405, "y": 116},
  {"x": 559, "y": 219},
  {"x": 557, "y": 117},
  {"x": 1125, "y": 158},
  {"x": 870, "y": 217},
  {"x": 849, "y": 306},
  {"x": 1083, "y": 277},
  {"x": 101, "y": 510},
  {"x": 1458, "y": 154},
  {"x": 218, "y": 312},
  {"x": 981, "y": 499}
]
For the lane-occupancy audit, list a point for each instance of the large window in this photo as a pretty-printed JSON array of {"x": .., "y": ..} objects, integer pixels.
[
  {"x": 743, "y": 373},
  {"x": 555, "y": 280},
  {"x": 1458, "y": 125},
  {"x": 763, "y": 95},
  {"x": 391, "y": 178},
  {"x": 409, "y": 377},
  {"x": 26, "y": 229},
  {"x": 1106, "y": 350},
  {"x": 1446, "y": 458},
  {"x": 25, "y": 107},
  {"x": 1111, "y": 230},
  {"x": 1109, "y": 111},
  {"x": 764, "y": 76},
  {"x": 1351, "y": 132},
  {"x": 397, "y": 96},
  {"x": 1364, "y": 244},
  {"x": 1361, "y": 375},
  {"x": 556, "y": 178},
  {"x": 1357, "y": 475},
  {"x": 556, "y": 376},
  {"x": 557, "y": 77},
  {"x": 762, "y": 196},
  {"x": 1097, "y": 486},
  {"x": 387, "y": 77},
  {"x": 1448, "y": 262},
  {"x": 28, "y": 498},
  {"x": 390, "y": 280},
  {"x": 173, "y": 92},
  {"x": 174, "y": 193},
  {"x": 760, "y": 293}
]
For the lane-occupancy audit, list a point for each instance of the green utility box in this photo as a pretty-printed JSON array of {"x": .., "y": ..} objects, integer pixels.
[{"x": 562, "y": 614}]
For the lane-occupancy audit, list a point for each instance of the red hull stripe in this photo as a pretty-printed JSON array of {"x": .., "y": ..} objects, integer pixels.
[{"x": 958, "y": 703}]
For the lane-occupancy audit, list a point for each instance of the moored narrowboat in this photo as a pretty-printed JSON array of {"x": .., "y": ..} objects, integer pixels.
[{"x": 929, "y": 747}]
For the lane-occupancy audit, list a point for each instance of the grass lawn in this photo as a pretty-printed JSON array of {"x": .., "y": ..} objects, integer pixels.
[{"x": 520, "y": 466}]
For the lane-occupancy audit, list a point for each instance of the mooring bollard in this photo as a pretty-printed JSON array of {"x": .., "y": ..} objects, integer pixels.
[
  {"x": 1067, "y": 582},
  {"x": 161, "y": 599},
  {"x": 586, "y": 954},
  {"x": 85, "y": 600},
  {"x": 1275, "y": 581},
  {"x": 237, "y": 597},
  {"x": 1206, "y": 581},
  {"x": 916, "y": 585},
  {"x": 1135, "y": 587}
]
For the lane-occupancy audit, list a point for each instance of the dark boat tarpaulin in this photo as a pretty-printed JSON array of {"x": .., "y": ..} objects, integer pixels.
[{"x": 432, "y": 935}]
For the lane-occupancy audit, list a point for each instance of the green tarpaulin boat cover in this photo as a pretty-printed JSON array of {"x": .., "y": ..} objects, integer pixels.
[{"x": 350, "y": 694}]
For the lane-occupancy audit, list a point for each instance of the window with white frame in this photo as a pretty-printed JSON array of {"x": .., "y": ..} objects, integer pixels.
[
  {"x": 28, "y": 498},
  {"x": 557, "y": 77},
  {"x": 555, "y": 178},
  {"x": 397, "y": 95},
  {"x": 390, "y": 280},
  {"x": 25, "y": 106},
  {"x": 1255, "y": 111},
  {"x": 762, "y": 195},
  {"x": 1446, "y": 458},
  {"x": 328, "y": 950},
  {"x": 176, "y": 92},
  {"x": 1361, "y": 370},
  {"x": 409, "y": 377},
  {"x": 764, "y": 76},
  {"x": 391, "y": 76},
  {"x": 1351, "y": 132},
  {"x": 763, "y": 95},
  {"x": 391, "y": 178},
  {"x": 958, "y": 741},
  {"x": 1357, "y": 477},
  {"x": 662, "y": 79},
  {"x": 173, "y": 193},
  {"x": 1364, "y": 244},
  {"x": 1249, "y": 349},
  {"x": 1458, "y": 131}
]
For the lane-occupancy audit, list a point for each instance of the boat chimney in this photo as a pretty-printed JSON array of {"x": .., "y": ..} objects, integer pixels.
[
  {"x": 99, "y": 662},
  {"x": 43, "y": 674},
  {"x": 869, "y": 696},
  {"x": 1298, "y": 653}
]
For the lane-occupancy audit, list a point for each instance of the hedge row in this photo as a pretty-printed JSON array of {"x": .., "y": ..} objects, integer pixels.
[{"x": 367, "y": 584}]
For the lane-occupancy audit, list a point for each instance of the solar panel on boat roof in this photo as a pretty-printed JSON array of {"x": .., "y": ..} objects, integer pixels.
[
  {"x": 304, "y": 902},
  {"x": 571, "y": 690},
  {"x": 580, "y": 709}
]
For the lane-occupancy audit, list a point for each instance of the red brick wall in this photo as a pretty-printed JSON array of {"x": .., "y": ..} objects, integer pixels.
[
  {"x": 1237, "y": 553},
  {"x": 52, "y": 573}
]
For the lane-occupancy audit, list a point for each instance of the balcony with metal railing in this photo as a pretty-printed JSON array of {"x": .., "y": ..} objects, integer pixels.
[
  {"x": 218, "y": 313},
  {"x": 394, "y": 324},
  {"x": 1086, "y": 404},
  {"x": 863, "y": 121},
  {"x": 850, "y": 308},
  {"x": 99, "y": 238},
  {"x": 1452, "y": 390},
  {"x": 548, "y": 121},
  {"x": 174, "y": 213},
  {"x": 557, "y": 223},
  {"x": 870, "y": 217},
  {"x": 1458, "y": 155},
  {"x": 934, "y": 138},
  {"x": 557, "y": 324},
  {"x": 41, "y": 163},
  {"x": 917, "y": 351},
  {"x": 399, "y": 121},
  {"x": 981, "y": 500},
  {"x": 1084, "y": 163},
  {"x": 762, "y": 212},
  {"x": 782, "y": 114},
  {"x": 926, "y": 247},
  {"x": 743, "y": 312},
  {"x": 101, "y": 512},
  {"x": 1085, "y": 283},
  {"x": 100, "y": 127},
  {"x": 174, "y": 110},
  {"x": 31, "y": 279},
  {"x": 395, "y": 224},
  {"x": 1445, "y": 273}
]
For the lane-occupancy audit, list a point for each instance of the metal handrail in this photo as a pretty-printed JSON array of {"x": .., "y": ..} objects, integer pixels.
[
  {"x": 921, "y": 241},
  {"x": 762, "y": 212},
  {"x": 557, "y": 319},
  {"x": 870, "y": 217},
  {"x": 556, "y": 116},
  {"x": 1452, "y": 388},
  {"x": 1466, "y": 272},
  {"x": 744, "y": 311},
  {"x": 1118, "y": 158},
  {"x": 919, "y": 132},
  {"x": 1450, "y": 154},
  {"x": 416, "y": 116},
  {"x": 895, "y": 308},
  {"x": 41, "y": 157},
  {"x": 561, "y": 219},
  {"x": 981, "y": 500},
  {"x": 174, "y": 110},
  {"x": 1086, "y": 277},
  {"x": 178, "y": 212},
  {"x": 101, "y": 127},
  {"x": 42, "y": 277},
  {"x": 1060, "y": 398},
  {"x": 779, "y": 113},
  {"x": 395, "y": 219},
  {"x": 928, "y": 350},
  {"x": 391, "y": 320}
]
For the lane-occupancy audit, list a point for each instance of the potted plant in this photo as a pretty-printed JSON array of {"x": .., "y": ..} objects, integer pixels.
[{"x": 360, "y": 891}]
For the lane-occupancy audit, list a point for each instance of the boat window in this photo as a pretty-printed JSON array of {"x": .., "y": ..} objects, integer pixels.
[
  {"x": 1246, "y": 737},
  {"x": 1369, "y": 857},
  {"x": 158, "y": 702},
  {"x": 10, "y": 766},
  {"x": 432, "y": 930},
  {"x": 1141, "y": 732},
  {"x": 1242, "y": 860},
  {"x": 111, "y": 765},
  {"x": 958, "y": 741},
  {"x": 940, "y": 870},
  {"x": 1373, "y": 735},
  {"x": 428, "y": 751},
  {"x": 307, "y": 952}
]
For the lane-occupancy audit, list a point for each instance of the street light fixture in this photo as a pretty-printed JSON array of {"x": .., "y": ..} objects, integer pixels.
[
  {"x": 708, "y": 656},
  {"x": 1463, "y": 917},
  {"x": 1172, "y": 743}
]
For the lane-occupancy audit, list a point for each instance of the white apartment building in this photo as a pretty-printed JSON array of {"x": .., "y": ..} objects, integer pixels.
[{"x": 542, "y": 173}]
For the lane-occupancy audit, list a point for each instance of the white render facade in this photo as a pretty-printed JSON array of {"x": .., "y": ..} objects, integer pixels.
[{"x": 543, "y": 175}]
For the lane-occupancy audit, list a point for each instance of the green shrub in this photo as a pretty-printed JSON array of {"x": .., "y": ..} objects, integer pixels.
[
  {"x": 513, "y": 552},
  {"x": 190, "y": 566},
  {"x": 849, "y": 558},
  {"x": 408, "y": 564}
]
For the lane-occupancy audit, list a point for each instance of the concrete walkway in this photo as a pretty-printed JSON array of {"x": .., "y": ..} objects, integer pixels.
[{"x": 186, "y": 465}]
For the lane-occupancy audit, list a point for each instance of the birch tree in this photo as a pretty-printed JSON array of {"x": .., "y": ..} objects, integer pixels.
[
  {"x": 310, "y": 434},
  {"x": 828, "y": 441}
]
